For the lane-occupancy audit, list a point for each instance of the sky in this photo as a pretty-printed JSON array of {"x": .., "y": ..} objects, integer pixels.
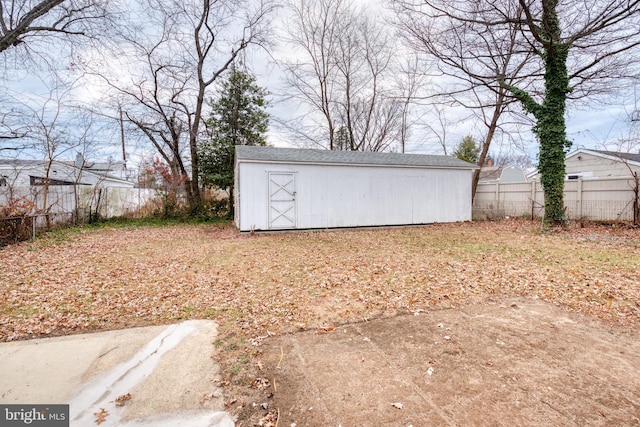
[
  {"x": 591, "y": 125},
  {"x": 595, "y": 127}
]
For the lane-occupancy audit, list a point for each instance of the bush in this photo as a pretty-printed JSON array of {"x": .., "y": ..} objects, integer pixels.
[
  {"x": 15, "y": 229},
  {"x": 16, "y": 224}
]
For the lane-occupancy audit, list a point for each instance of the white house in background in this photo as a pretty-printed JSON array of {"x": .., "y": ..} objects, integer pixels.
[
  {"x": 593, "y": 164},
  {"x": 502, "y": 174},
  {"x": 22, "y": 173},
  {"x": 290, "y": 188}
]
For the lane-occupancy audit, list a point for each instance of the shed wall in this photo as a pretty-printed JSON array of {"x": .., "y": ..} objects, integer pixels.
[{"x": 328, "y": 196}]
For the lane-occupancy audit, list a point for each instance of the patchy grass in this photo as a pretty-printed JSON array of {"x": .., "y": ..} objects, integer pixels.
[
  {"x": 59, "y": 235},
  {"x": 103, "y": 278}
]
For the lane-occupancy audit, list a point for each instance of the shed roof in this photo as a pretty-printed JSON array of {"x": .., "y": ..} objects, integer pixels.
[{"x": 304, "y": 155}]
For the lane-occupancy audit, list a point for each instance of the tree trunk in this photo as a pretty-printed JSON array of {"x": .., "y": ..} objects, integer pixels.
[
  {"x": 497, "y": 111},
  {"x": 231, "y": 203},
  {"x": 195, "y": 200}
]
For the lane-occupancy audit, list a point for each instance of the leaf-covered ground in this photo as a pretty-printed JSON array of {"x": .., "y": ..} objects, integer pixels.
[{"x": 255, "y": 285}]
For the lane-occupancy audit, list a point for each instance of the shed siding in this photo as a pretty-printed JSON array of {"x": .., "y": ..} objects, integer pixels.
[{"x": 329, "y": 196}]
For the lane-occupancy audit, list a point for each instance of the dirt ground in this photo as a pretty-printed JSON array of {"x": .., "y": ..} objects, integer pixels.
[{"x": 519, "y": 362}]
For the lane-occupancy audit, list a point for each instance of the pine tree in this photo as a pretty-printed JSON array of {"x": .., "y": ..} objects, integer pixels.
[
  {"x": 238, "y": 117},
  {"x": 468, "y": 150}
]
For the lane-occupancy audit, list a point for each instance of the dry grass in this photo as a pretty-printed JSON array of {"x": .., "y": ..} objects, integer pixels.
[{"x": 273, "y": 283}]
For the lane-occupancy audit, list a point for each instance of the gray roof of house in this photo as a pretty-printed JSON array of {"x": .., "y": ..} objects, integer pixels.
[
  {"x": 490, "y": 173},
  {"x": 624, "y": 156},
  {"x": 23, "y": 163},
  {"x": 303, "y": 155}
]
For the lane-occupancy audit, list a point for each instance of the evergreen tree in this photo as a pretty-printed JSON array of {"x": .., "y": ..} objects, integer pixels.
[
  {"x": 468, "y": 150},
  {"x": 342, "y": 139},
  {"x": 238, "y": 117}
]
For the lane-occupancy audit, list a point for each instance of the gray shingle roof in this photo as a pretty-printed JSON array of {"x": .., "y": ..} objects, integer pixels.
[
  {"x": 300, "y": 155},
  {"x": 491, "y": 173},
  {"x": 624, "y": 156}
]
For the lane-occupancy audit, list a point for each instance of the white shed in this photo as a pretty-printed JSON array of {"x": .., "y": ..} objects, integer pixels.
[{"x": 290, "y": 188}]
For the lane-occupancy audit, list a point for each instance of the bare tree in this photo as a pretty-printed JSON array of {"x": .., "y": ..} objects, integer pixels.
[
  {"x": 627, "y": 152},
  {"x": 436, "y": 125},
  {"x": 56, "y": 129},
  {"x": 182, "y": 49},
  {"x": 582, "y": 47},
  {"x": 471, "y": 60},
  {"x": 12, "y": 128},
  {"x": 342, "y": 73},
  {"x": 313, "y": 29},
  {"x": 505, "y": 159},
  {"x": 409, "y": 80},
  {"x": 23, "y": 21},
  {"x": 37, "y": 43}
]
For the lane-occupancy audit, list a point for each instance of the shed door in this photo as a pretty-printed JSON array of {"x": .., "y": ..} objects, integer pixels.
[{"x": 282, "y": 200}]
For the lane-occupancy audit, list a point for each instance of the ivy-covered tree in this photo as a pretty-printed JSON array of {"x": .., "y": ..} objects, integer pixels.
[
  {"x": 561, "y": 51},
  {"x": 603, "y": 40},
  {"x": 550, "y": 128},
  {"x": 468, "y": 150},
  {"x": 238, "y": 117}
]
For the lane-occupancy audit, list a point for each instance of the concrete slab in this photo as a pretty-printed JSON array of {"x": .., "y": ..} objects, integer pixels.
[{"x": 167, "y": 370}]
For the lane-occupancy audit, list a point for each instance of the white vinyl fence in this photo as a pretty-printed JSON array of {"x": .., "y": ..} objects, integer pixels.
[
  {"x": 26, "y": 210},
  {"x": 107, "y": 202},
  {"x": 604, "y": 199}
]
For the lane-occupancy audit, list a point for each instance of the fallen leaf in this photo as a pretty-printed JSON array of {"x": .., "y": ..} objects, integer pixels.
[
  {"x": 121, "y": 400},
  {"x": 101, "y": 416},
  {"x": 91, "y": 281},
  {"x": 269, "y": 420},
  {"x": 260, "y": 383}
]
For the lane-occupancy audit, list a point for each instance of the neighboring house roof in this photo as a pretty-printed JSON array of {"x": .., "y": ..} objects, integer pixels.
[
  {"x": 632, "y": 157},
  {"x": 69, "y": 172},
  {"x": 302, "y": 155},
  {"x": 612, "y": 156},
  {"x": 506, "y": 173},
  {"x": 490, "y": 173},
  {"x": 98, "y": 166}
]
